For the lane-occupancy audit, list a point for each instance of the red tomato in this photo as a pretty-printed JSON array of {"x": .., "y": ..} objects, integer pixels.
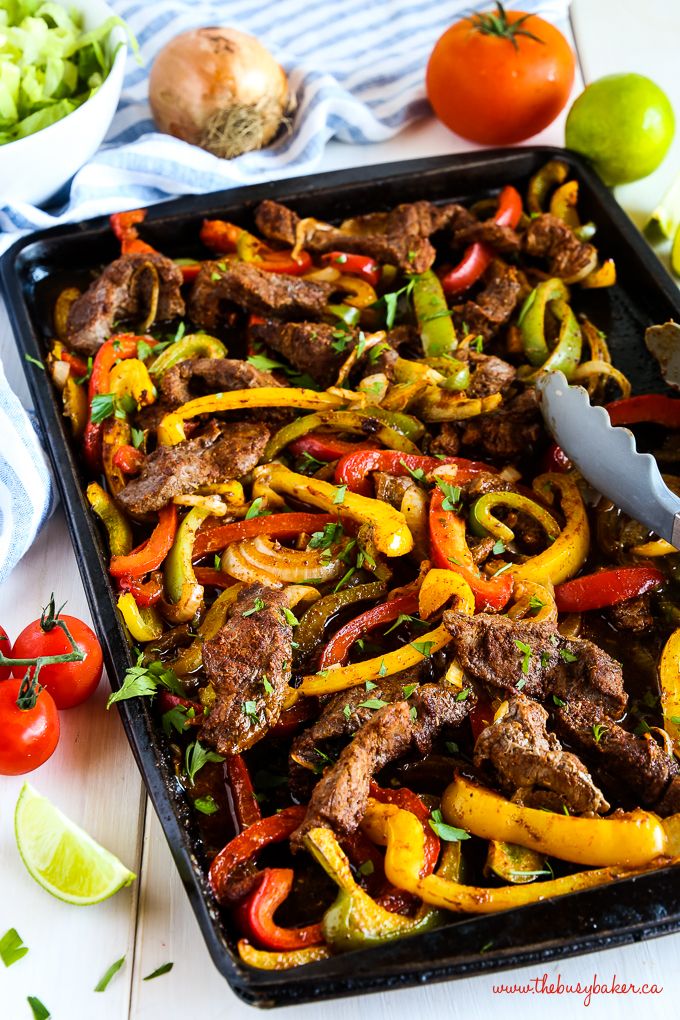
[
  {"x": 6, "y": 649},
  {"x": 29, "y": 736},
  {"x": 69, "y": 683},
  {"x": 491, "y": 82}
]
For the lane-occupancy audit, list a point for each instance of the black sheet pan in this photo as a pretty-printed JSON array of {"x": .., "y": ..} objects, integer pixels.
[{"x": 628, "y": 911}]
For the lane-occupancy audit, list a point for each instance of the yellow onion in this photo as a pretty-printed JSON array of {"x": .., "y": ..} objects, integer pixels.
[
  {"x": 220, "y": 89},
  {"x": 264, "y": 559}
]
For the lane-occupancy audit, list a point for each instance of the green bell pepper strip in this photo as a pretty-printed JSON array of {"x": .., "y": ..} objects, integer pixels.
[
  {"x": 195, "y": 345},
  {"x": 436, "y": 327},
  {"x": 483, "y": 522},
  {"x": 117, "y": 526},
  {"x": 456, "y": 373},
  {"x": 184, "y": 593},
  {"x": 361, "y": 422},
  {"x": 566, "y": 354},
  {"x": 310, "y": 632}
]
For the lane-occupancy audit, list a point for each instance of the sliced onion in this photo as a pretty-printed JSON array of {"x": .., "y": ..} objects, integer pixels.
[
  {"x": 60, "y": 371},
  {"x": 264, "y": 557}
]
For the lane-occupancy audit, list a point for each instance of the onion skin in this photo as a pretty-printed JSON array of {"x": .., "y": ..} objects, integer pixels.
[{"x": 220, "y": 89}]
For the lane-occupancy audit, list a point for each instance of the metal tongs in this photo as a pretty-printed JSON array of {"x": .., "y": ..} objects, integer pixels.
[{"x": 607, "y": 458}]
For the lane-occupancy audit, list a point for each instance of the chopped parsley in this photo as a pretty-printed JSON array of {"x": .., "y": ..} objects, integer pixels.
[
  {"x": 176, "y": 718},
  {"x": 38, "y": 1008},
  {"x": 417, "y": 474},
  {"x": 257, "y": 509},
  {"x": 558, "y": 701},
  {"x": 525, "y": 649},
  {"x": 12, "y": 947},
  {"x": 143, "y": 681},
  {"x": 196, "y": 756},
  {"x": 34, "y": 361},
  {"x": 598, "y": 731},
  {"x": 105, "y": 405},
  {"x": 366, "y": 868},
  {"x": 370, "y": 686},
  {"x": 104, "y": 980},
  {"x": 373, "y": 703},
  {"x": 478, "y": 343},
  {"x": 347, "y": 711},
  {"x": 463, "y": 695},
  {"x": 405, "y": 618},
  {"x": 263, "y": 363},
  {"x": 448, "y": 833},
  {"x": 250, "y": 711},
  {"x": 164, "y": 969},
  {"x": 498, "y": 547},
  {"x": 331, "y": 535},
  {"x": 452, "y": 747},
  {"x": 290, "y": 617},
  {"x": 451, "y": 494},
  {"x": 137, "y": 437},
  {"x": 267, "y": 685},
  {"x": 340, "y": 493},
  {"x": 409, "y": 689},
  {"x": 145, "y": 350},
  {"x": 423, "y": 647},
  {"x": 545, "y": 659},
  {"x": 308, "y": 465},
  {"x": 567, "y": 656},
  {"x": 535, "y": 603},
  {"x": 257, "y": 607},
  {"x": 383, "y": 669},
  {"x": 207, "y": 806},
  {"x": 391, "y": 301},
  {"x": 520, "y": 683}
]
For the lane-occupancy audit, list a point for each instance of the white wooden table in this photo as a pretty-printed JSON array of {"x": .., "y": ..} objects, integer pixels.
[{"x": 93, "y": 778}]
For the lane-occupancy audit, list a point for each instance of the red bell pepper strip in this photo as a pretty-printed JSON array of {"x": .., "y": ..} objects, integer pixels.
[
  {"x": 124, "y": 226},
  {"x": 651, "y": 407},
  {"x": 325, "y": 447},
  {"x": 243, "y": 795},
  {"x": 356, "y": 265},
  {"x": 276, "y": 525},
  {"x": 555, "y": 459},
  {"x": 256, "y": 914},
  {"x": 152, "y": 553},
  {"x": 273, "y": 829},
  {"x": 353, "y": 469},
  {"x": 77, "y": 365},
  {"x": 481, "y": 714},
  {"x": 338, "y": 648},
  {"x": 145, "y": 593},
  {"x": 478, "y": 256},
  {"x": 223, "y": 238},
  {"x": 449, "y": 550},
  {"x": 606, "y": 588},
  {"x": 168, "y": 701},
  {"x": 291, "y": 720},
  {"x": 209, "y": 577},
  {"x": 128, "y": 459},
  {"x": 410, "y": 801},
  {"x": 117, "y": 347}
]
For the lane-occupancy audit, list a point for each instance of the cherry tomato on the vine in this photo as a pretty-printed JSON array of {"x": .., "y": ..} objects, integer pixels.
[
  {"x": 29, "y": 735},
  {"x": 69, "y": 683}
]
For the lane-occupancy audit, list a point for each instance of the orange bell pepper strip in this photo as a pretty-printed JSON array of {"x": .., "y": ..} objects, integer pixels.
[
  {"x": 151, "y": 554},
  {"x": 449, "y": 551},
  {"x": 338, "y": 648},
  {"x": 124, "y": 226}
]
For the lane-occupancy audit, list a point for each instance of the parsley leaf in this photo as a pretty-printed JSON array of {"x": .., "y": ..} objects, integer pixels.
[
  {"x": 340, "y": 493},
  {"x": 520, "y": 683},
  {"x": 137, "y": 437},
  {"x": 452, "y": 747},
  {"x": 423, "y": 647},
  {"x": 446, "y": 832},
  {"x": 290, "y": 617},
  {"x": 417, "y": 474},
  {"x": 256, "y": 510},
  {"x": 196, "y": 756},
  {"x": 598, "y": 731},
  {"x": 263, "y": 363},
  {"x": 374, "y": 703},
  {"x": 258, "y": 606},
  {"x": 526, "y": 654},
  {"x": 250, "y": 711},
  {"x": 370, "y": 686},
  {"x": 12, "y": 947},
  {"x": 409, "y": 689},
  {"x": 463, "y": 695},
  {"x": 383, "y": 669},
  {"x": 206, "y": 805},
  {"x": 347, "y": 711},
  {"x": 102, "y": 407},
  {"x": 175, "y": 719},
  {"x": 558, "y": 701},
  {"x": 413, "y": 712},
  {"x": 164, "y": 969},
  {"x": 38, "y": 1008},
  {"x": 267, "y": 685},
  {"x": 535, "y": 603},
  {"x": 331, "y": 535},
  {"x": 478, "y": 343},
  {"x": 405, "y": 618},
  {"x": 143, "y": 681},
  {"x": 366, "y": 868},
  {"x": 498, "y": 548},
  {"x": 567, "y": 656},
  {"x": 451, "y": 494},
  {"x": 103, "y": 982},
  {"x": 34, "y": 361}
]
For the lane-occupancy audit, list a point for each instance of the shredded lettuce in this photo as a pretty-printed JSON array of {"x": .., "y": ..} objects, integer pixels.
[{"x": 48, "y": 65}]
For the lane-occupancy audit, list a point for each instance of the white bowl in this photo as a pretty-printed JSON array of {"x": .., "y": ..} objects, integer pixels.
[{"x": 34, "y": 168}]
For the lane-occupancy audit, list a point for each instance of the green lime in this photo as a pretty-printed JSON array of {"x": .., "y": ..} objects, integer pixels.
[
  {"x": 624, "y": 124},
  {"x": 61, "y": 857}
]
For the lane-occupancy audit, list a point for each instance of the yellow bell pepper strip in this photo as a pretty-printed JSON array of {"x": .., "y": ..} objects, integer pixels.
[
  {"x": 672, "y": 829},
  {"x": 564, "y": 202},
  {"x": 602, "y": 276},
  {"x": 355, "y": 919},
  {"x": 653, "y": 549},
  {"x": 388, "y": 528},
  {"x": 630, "y": 840},
  {"x": 358, "y": 293},
  {"x": 182, "y": 590},
  {"x": 191, "y": 658},
  {"x": 130, "y": 378},
  {"x": 194, "y": 345},
  {"x": 514, "y": 864},
  {"x": 341, "y": 678},
  {"x": 669, "y": 677},
  {"x": 402, "y": 834},
  {"x": 551, "y": 175},
  {"x": 438, "y": 587},
  {"x": 116, "y": 523},
  {"x": 62, "y": 307},
  {"x": 74, "y": 403},
  {"x": 282, "y": 960},
  {"x": 533, "y": 600},
  {"x": 171, "y": 428},
  {"x": 568, "y": 553},
  {"x": 436, "y": 327},
  {"x": 116, "y": 433},
  {"x": 143, "y": 623},
  {"x": 438, "y": 405},
  {"x": 484, "y": 522},
  {"x": 362, "y": 423}
]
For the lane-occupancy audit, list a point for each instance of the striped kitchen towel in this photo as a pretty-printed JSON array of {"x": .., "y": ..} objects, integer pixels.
[{"x": 356, "y": 69}]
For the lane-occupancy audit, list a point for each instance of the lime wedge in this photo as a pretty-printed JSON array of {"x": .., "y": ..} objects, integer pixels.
[
  {"x": 675, "y": 253},
  {"x": 665, "y": 219},
  {"x": 61, "y": 857}
]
